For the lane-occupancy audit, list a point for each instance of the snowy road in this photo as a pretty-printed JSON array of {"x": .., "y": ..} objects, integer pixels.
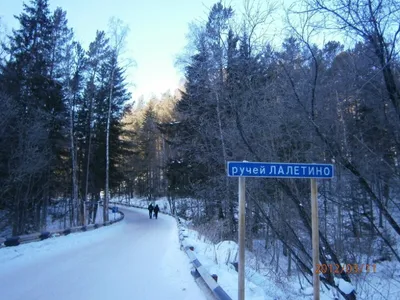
[{"x": 137, "y": 258}]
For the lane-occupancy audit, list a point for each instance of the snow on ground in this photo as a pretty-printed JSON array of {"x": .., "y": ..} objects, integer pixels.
[
  {"x": 262, "y": 281},
  {"x": 62, "y": 223},
  {"x": 137, "y": 258},
  {"x": 55, "y": 221},
  {"x": 262, "y": 284},
  {"x": 382, "y": 284},
  {"x": 218, "y": 260},
  {"x": 140, "y": 259}
]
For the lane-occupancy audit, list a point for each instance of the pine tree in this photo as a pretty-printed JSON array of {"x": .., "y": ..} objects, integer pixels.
[
  {"x": 73, "y": 78},
  {"x": 97, "y": 55},
  {"x": 147, "y": 142},
  {"x": 28, "y": 79},
  {"x": 110, "y": 75}
]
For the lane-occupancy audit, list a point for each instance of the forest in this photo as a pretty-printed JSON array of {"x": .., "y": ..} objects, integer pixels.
[{"x": 71, "y": 136}]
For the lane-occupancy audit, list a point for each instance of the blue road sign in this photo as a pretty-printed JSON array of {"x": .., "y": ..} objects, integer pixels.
[
  {"x": 279, "y": 170},
  {"x": 114, "y": 209}
]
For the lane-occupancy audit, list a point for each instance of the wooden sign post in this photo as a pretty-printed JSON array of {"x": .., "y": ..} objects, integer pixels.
[
  {"x": 315, "y": 235},
  {"x": 278, "y": 170},
  {"x": 242, "y": 231}
]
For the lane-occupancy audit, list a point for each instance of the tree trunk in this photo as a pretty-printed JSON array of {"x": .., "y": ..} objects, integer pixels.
[
  {"x": 89, "y": 143},
  {"x": 289, "y": 268},
  {"x": 74, "y": 160},
  {"x": 107, "y": 192},
  {"x": 221, "y": 136}
]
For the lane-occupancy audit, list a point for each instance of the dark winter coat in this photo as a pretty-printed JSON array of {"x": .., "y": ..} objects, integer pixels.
[
  {"x": 156, "y": 209},
  {"x": 150, "y": 208}
]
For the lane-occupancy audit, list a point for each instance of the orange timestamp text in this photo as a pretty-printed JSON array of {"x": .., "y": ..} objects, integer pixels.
[{"x": 342, "y": 268}]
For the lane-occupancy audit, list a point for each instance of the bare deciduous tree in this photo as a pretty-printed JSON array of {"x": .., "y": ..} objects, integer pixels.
[{"x": 118, "y": 34}]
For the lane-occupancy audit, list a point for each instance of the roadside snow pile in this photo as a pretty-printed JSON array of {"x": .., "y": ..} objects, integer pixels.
[
  {"x": 261, "y": 283},
  {"x": 218, "y": 259},
  {"x": 344, "y": 286}
]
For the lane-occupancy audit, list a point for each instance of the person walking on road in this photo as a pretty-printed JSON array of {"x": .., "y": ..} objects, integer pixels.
[
  {"x": 150, "y": 208},
  {"x": 156, "y": 210}
]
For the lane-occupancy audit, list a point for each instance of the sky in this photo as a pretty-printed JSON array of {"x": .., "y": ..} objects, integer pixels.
[
  {"x": 157, "y": 35},
  {"x": 158, "y": 32}
]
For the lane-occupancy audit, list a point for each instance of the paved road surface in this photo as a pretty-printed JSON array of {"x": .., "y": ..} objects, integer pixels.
[{"x": 137, "y": 259}]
